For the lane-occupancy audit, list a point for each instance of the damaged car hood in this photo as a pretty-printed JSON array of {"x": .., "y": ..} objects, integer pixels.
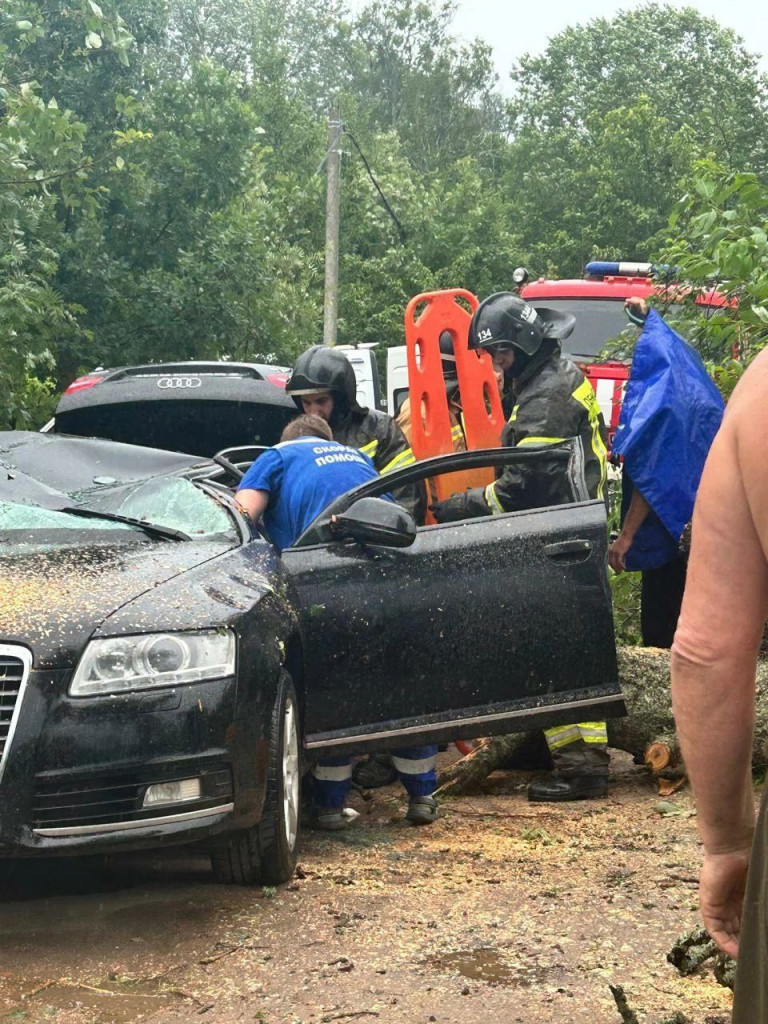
[{"x": 53, "y": 598}]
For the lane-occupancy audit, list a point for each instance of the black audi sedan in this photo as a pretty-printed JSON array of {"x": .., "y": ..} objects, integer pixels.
[
  {"x": 189, "y": 406},
  {"x": 166, "y": 676}
]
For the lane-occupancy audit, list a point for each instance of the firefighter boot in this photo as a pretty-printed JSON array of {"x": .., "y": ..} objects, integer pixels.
[
  {"x": 568, "y": 787},
  {"x": 580, "y": 760}
]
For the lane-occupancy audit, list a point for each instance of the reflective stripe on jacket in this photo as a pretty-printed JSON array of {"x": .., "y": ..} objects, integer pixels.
[
  {"x": 553, "y": 401},
  {"x": 458, "y": 439},
  {"x": 590, "y": 732}
]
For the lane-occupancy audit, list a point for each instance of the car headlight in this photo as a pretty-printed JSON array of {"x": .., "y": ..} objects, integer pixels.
[{"x": 125, "y": 663}]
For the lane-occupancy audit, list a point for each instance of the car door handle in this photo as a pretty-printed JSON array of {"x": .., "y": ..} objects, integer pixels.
[{"x": 569, "y": 551}]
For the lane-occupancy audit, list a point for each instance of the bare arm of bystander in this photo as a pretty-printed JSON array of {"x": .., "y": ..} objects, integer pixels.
[
  {"x": 716, "y": 645},
  {"x": 634, "y": 519}
]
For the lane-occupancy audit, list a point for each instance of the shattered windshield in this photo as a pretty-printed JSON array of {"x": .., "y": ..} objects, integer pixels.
[
  {"x": 14, "y": 516},
  {"x": 168, "y": 502}
]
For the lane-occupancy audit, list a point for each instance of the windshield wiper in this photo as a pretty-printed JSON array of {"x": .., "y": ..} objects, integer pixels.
[{"x": 150, "y": 528}]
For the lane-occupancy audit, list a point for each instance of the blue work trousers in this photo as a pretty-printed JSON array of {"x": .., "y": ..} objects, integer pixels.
[{"x": 415, "y": 766}]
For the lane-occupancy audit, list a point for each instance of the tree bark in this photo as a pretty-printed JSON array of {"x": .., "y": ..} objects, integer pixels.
[
  {"x": 515, "y": 750},
  {"x": 694, "y": 948},
  {"x": 648, "y": 731}
]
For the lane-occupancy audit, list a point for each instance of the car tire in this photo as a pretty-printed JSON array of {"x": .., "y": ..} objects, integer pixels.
[{"x": 266, "y": 853}]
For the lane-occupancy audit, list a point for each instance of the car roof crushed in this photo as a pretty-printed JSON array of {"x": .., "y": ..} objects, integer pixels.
[{"x": 48, "y": 469}]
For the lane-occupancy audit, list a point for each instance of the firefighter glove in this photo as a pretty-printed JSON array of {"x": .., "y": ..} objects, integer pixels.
[{"x": 450, "y": 510}]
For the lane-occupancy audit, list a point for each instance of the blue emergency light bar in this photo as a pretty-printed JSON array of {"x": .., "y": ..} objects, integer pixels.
[
  {"x": 600, "y": 268},
  {"x": 608, "y": 268}
]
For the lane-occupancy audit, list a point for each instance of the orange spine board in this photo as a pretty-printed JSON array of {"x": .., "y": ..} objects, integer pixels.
[{"x": 426, "y": 317}]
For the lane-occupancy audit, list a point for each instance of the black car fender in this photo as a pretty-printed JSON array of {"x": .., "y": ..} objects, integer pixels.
[{"x": 248, "y": 592}]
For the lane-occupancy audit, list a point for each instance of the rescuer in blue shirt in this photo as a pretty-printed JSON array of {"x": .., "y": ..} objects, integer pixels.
[{"x": 288, "y": 487}]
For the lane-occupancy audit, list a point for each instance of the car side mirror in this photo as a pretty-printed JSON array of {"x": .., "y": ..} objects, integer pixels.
[{"x": 376, "y": 521}]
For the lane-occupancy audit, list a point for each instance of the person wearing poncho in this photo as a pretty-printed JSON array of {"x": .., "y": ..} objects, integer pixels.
[{"x": 670, "y": 415}]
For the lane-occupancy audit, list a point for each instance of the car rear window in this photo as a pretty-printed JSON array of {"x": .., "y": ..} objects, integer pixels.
[{"x": 191, "y": 426}]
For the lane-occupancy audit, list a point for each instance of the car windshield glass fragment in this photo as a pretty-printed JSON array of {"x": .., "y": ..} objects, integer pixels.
[
  {"x": 14, "y": 516},
  {"x": 170, "y": 502}
]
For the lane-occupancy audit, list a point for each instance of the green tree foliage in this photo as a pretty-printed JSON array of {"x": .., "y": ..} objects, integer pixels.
[
  {"x": 416, "y": 80},
  {"x": 179, "y": 194},
  {"x": 162, "y": 192},
  {"x": 437, "y": 251},
  {"x": 694, "y": 71},
  {"x": 720, "y": 241},
  {"x": 610, "y": 119},
  {"x": 606, "y": 189},
  {"x": 44, "y": 169}
]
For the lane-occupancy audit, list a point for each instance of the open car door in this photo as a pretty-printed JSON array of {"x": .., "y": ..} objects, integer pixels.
[{"x": 496, "y": 624}]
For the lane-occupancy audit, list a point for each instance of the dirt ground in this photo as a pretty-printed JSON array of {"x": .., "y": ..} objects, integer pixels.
[{"x": 501, "y": 911}]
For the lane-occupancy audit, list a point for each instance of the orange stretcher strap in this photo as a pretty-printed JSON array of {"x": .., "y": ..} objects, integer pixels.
[{"x": 426, "y": 317}]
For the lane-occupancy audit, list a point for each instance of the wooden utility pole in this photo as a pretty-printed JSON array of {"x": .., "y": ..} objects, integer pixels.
[{"x": 332, "y": 203}]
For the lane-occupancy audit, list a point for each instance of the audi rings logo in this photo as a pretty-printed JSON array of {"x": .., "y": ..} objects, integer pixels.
[{"x": 179, "y": 382}]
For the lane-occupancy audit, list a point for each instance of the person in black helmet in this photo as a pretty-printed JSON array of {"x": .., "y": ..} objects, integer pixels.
[
  {"x": 551, "y": 400},
  {"x": 323, "y": 384}
]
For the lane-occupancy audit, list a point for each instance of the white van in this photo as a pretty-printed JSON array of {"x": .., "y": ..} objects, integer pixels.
[
  {"x": 363, "y": 361},
  {"x": 397, "y": 378}
]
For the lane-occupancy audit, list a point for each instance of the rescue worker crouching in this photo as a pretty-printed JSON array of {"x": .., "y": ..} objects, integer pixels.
[
  {"x": 323, "y": 384},
  {"x": 551, "y": 400},
  {"x": 287, "y": 488}
]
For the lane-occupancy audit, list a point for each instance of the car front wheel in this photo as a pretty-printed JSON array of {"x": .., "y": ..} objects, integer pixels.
[{"x": 266, "y": 853}]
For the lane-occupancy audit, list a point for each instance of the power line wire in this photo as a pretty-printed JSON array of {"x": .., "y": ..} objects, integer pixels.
[{"x": 390, "y": 211}]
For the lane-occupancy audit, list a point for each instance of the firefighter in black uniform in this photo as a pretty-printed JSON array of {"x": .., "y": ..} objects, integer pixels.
[
  {"x": 550, "y": 400},
  {"x": 323, "y": 384}
]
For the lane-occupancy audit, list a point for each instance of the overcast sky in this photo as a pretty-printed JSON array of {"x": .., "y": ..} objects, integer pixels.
[{"x": 514, "y": 28}]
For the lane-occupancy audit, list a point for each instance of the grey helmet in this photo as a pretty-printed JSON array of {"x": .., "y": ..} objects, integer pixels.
[
  {"x": 321, "y": 368},
  {"x": 506, "y": 320}
]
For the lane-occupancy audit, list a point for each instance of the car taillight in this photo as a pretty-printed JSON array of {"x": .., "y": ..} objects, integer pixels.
[
  {"x": 278, "y": 379},
  {"x": 82, "y": 382}
]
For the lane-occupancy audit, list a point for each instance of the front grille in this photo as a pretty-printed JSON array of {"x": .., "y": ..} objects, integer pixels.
[
  {"x": 15, "y": 664},
  {"x": 115, "y": 798}
]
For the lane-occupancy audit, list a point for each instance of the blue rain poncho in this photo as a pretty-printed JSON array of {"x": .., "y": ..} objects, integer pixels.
[{"x": 669, "y": 417}]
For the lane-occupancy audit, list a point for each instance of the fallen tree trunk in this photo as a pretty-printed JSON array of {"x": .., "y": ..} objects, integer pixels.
[
  {"x": 522, "y": 750},
  {"x": 648, "y": 731},
  {"x": 645, "y": 683}
]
